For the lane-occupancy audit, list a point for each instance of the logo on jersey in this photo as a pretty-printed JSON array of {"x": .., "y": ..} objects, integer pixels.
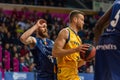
[
  {"x": 75, "y": 43},
  {"x": 107, "y": 47}
]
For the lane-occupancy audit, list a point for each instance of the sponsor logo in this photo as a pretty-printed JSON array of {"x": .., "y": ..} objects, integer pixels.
[
  {"x": 19, "y": 76},
  {"x": 106, "y": 47}
]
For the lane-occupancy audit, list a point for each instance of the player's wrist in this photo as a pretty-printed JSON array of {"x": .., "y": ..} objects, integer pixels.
[
  {"x": 76, "y": 49},
  {"x": 35, "y": 26}
]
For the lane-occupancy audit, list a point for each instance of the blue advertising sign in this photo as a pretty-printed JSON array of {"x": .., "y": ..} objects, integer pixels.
[
  {"x": 86, "y": 76},
  {"x": 19, "y": 76},
  {"x": 0, "y": 75}
]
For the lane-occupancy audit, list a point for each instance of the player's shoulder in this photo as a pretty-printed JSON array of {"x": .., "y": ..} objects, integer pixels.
[{"x": 64, "y": 31}]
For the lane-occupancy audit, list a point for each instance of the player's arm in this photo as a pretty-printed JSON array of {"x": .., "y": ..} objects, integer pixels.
[
  {"x": 26, "y": 37},
  {"x": 101, "y": 24},
  {"x": 58, "y": 49}
]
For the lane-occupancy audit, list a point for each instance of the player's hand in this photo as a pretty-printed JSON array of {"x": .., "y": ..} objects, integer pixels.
[
  {"x": 82, "y": 48},
  {"x": 41, "y": 23}
]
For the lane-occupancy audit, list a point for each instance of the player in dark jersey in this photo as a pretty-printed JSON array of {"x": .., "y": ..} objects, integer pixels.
[
  {"x": 41, "y": 48},
  {"x": 107, "y": 64}
]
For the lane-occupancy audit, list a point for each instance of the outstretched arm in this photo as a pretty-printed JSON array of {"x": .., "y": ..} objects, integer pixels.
[{"x": 101, "y": 24}]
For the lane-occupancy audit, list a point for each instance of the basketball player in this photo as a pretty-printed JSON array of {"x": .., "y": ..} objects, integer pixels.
[
  {"x": 107, "y": 64},
  {"x": 67, "y": 47},
  {"x": 41, "y": 48}
]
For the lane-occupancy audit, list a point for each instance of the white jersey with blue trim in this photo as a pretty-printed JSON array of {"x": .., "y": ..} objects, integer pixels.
[{"x": 114, "y": 26}]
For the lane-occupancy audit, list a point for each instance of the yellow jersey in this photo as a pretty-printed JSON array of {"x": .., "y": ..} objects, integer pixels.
[{"x": 68, "y": 65}]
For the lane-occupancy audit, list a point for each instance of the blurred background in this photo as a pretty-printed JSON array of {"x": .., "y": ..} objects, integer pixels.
[{"x": 16, "y": 16}]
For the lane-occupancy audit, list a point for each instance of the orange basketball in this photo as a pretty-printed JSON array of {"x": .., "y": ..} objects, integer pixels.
[{"x": 89, "y": 54}]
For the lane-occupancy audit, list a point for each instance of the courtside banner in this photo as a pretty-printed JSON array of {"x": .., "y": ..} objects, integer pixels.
[
  {"x": 19, "y": 76},
  {"x": 86, "y": 76},
  {"x": 0, "y": 76}
]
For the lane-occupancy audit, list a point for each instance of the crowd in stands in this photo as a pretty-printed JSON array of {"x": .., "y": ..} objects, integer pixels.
[
  {"x": 14, "y": 56},
  {"x": 56, "y": 3},
  {"x": 106, "y": 1}
]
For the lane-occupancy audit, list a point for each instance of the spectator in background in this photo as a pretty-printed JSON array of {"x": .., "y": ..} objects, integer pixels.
[
  {"x": 12, "y": 54},
  {"x": 16, "y": 40},
  {"x": 6, "y": 58},
  {"x": 28, "y": 59},
  {"x": 47, "y": 16},
  {"x": 100, "y": 12},
  {"x": 23, "y": 66},
  {"x": 12, "y": 28},
  {"x": 1, "y": 36},
  {"x": 16, "y": 63},
  {"x": 41, "y": 48},
  {"x": 24, "y": 50},
  {"x": 0, "y": 53},
  {"x": 1, "y": 70},
  {"x": 92, "y": 22}
]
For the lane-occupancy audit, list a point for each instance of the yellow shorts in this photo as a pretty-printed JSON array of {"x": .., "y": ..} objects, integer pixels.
[{"x": 67, "y": 74}]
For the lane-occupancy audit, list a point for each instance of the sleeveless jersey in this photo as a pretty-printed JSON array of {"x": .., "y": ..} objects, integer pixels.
[
  {"x": 114, "y": 26},
  {"x": 68, "y": 65},
  {"x": 41, "y": 53}
]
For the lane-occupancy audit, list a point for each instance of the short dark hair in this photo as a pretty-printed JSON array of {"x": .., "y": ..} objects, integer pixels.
[{"x": 74, "y": 13}]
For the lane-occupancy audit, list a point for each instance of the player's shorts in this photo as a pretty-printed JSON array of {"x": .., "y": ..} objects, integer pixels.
[
  {"x": 107, "y": 60},
  {"x": 67, "y": 74}
]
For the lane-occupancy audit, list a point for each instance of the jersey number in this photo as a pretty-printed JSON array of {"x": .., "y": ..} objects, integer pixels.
[{"x": 114, "y": 22}]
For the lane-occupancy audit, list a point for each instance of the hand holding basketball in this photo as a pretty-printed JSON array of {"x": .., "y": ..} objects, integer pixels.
[{"x": 89, "y": 54}]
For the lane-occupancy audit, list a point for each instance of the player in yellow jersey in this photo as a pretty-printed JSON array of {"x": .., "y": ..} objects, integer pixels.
[{"x": 67, "y": 47}]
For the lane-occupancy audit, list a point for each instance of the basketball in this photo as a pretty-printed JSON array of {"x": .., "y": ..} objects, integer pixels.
[{"x": 89, "y": 54}]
